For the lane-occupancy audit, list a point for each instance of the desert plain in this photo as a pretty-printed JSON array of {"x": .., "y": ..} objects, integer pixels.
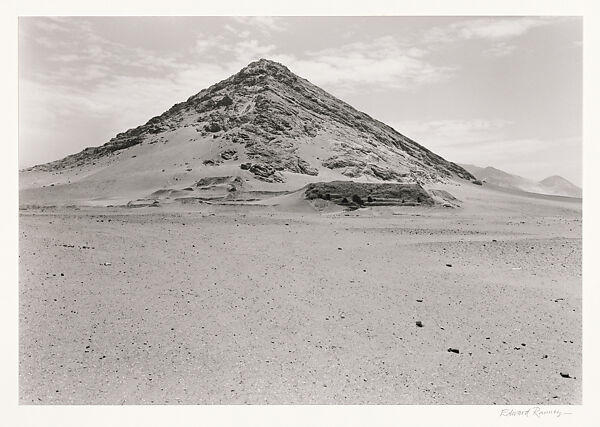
[{"x": 281, "y": 303}]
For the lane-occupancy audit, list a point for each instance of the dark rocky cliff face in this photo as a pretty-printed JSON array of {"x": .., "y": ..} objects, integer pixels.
[{"x": 268, "y": 113}]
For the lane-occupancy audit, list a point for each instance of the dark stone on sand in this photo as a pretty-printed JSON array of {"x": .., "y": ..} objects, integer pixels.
[
  {"x": 356, "y": 199},
  {"x": 212, "y": 127},
  {"x": 453, "y": 350},
  {"x": 419, "y": 324},
  {"x": 263, "y": 171},
  {"x": 229, "y": 154}
]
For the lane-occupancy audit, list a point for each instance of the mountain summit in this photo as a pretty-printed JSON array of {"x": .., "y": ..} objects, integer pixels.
[{"x": 263, "y": 124}]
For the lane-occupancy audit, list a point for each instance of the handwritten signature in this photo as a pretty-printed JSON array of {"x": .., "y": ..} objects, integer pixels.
[{"x": 533, "y": 412}]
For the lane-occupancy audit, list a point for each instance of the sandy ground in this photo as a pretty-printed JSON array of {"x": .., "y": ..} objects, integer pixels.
[{"x": 262, "y": 305}]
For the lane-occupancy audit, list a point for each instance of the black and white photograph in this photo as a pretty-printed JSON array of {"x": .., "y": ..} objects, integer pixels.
[{"x": 301, "y": 210}]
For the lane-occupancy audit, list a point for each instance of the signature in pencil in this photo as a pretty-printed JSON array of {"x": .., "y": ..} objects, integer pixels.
[{"x": 533, "y": 412}]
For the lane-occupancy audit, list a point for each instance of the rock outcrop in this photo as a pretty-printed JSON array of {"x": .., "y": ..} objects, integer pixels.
[{"x": 360, "y": 194}]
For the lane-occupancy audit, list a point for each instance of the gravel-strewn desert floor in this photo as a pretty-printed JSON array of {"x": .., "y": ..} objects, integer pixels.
[{"x": 260, "y": 305}]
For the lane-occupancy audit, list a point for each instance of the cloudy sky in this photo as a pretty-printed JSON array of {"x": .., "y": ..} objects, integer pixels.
[{"x": 504, "y": 92}]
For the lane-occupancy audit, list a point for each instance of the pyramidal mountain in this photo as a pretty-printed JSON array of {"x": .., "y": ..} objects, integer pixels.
[{"x": 264, "y": 126}]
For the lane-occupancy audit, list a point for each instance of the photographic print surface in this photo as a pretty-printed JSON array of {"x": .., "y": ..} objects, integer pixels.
[{"x": 300, "y": 210}]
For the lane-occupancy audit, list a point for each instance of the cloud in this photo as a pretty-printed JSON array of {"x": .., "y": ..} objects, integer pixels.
[
  {"x": 378, "y": 64},
  {"x": 497, "y": 28},
  {"x": 248, "y": 50},
  {"x": 500, "y": 49},
  {"x": 265, "y": 24},
  {"x": 452, "y": 132},
  {"x": 491, "y": 29},
  {"x": 72, "y": 50},
  {"x": 206, "y": 43},
  {"x": 460, "y": 140},
  {"x": 232, "y": 54},
  {"x": 497, "y": 31},
  {"x": 48, "y": 24}
]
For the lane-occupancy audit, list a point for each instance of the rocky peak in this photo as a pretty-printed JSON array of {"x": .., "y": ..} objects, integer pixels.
[
  {"x": 278, "y": 121},
  {"x": 265, "y": 66}
]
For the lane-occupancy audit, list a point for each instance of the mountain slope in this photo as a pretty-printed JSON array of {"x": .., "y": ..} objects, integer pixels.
[
  {"x": 554, "y": 185},
  {"x": 264, "y": 124}
]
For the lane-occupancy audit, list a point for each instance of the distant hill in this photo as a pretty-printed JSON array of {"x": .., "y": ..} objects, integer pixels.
[
  {"x": 554, "y": 185},
  {"x": 561, "y": 186}
]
